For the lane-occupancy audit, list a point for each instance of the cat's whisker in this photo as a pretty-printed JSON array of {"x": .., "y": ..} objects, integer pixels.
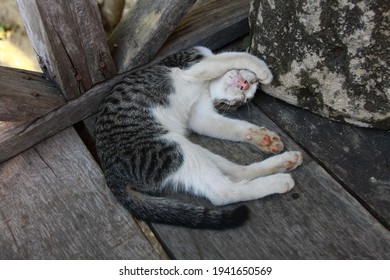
[
  {"x": 248, "y": 108},
  {"x": 225, "y": 107}
]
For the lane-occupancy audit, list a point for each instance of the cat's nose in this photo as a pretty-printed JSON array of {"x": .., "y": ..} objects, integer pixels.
[{"x": 242, "y": 84}]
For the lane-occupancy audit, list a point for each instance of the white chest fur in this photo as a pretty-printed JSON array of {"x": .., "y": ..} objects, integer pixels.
[{"x": 175, "y": 116}]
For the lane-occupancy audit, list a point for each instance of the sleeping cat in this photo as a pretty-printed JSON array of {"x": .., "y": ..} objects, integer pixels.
[{"x": 141, "y": 140}]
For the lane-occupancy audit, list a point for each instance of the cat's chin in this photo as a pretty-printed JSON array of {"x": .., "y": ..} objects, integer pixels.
[{"x": 229, "y": 104}]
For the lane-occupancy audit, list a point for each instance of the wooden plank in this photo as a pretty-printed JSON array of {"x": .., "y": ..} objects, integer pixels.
[
  {"x": 69, "y": 41},
  {"x": 214, "y": 23},
  {"x": 17, "y": 137},
  {"x": 318, "y": 219},
  {"x": 54, "y": 204},
  {"x": 358, "y": 157},
  {"x": 143, "y": 30},
  {"x": 26, "y": 95}
]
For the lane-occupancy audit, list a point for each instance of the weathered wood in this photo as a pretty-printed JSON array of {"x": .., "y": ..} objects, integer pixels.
[
  {"x": 317, "y": 219},
  {"x": 359, "y": 158},
  {"x": 214, "y": 23},
  {"x": 54, "y": 204},
  {"x": 26, "y": 95},
  {"x": 17, "y": 137},
  {"x": 143, "y": 30},
  {"x": 69, "y": 41}
]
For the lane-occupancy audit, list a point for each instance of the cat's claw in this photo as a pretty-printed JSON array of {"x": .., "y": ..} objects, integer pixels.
[{"x": 265, "y": 140}]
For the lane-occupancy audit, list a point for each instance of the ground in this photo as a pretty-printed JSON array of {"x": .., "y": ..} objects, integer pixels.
[{"x": 15, "y": 48}]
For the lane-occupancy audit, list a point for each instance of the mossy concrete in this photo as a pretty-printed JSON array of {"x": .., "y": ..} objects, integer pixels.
[{"x": 329, "y": 56}]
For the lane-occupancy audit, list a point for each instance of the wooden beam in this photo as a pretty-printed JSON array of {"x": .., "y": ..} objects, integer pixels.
[
  {"x": 69, "y": 41},
  {"x": 143, "y": 30},
  {"x": 214, "y": 23},
  {"x": 26, "y": 95},
  {"x": 16, "y": 137}
]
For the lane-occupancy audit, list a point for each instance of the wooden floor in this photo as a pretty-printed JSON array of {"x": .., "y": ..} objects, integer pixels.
[
  {"x": 54, "y": 203},
  {"x": 339, "y": 208}
]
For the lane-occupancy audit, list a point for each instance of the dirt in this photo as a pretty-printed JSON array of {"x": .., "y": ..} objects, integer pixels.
[{"x": 15, "y": 48}]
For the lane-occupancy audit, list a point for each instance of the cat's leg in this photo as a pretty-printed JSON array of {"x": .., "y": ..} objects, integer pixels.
[
  {"x": 206, "y": 121},
  {"x": 238, "y": 130},
  {"x": 201, "y": 176},
  {"x": 215, "y": 66},
  {"x": 277, "y": 164},
  {"x": 233, "y": 192}
]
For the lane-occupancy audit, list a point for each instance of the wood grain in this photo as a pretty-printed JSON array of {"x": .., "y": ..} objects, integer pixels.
[
  {"x": 19, "y": 136},
  {"x": 26, "y": 95},
  {"x": 359, "y": 158},
  {"x": 318, "y": 219},
  {"x": 69, "y": 41},
  {"x": 54, "y": 204},
  {"x": 214, "y": 23},
  {"x": 143, "y": 30}
]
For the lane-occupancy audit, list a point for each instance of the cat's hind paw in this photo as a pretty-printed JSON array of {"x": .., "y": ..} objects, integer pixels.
[
  {"x": 280, "y": 183},
  {"x": 290, "y": 160},
  {"x": 287, "y": 183},
  {"x": 265, "y": 140}
]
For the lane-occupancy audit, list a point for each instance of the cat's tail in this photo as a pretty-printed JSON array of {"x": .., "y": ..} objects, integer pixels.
[{"x": 170, "y": 211}]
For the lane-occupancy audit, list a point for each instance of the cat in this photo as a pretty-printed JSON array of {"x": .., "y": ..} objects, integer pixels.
[{"x": 141, "y": 140}]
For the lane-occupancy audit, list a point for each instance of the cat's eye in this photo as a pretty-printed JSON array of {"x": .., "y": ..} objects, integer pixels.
[{"x": 255, "y": 81}]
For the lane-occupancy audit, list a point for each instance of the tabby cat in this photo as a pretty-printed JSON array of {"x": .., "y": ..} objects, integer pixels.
[{"x": 141, "y": 140}]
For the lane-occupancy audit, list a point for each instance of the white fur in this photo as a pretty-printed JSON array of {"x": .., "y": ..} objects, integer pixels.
[
  {"x": 191, "y": 107},
  {"x": 215, "y": 66}
]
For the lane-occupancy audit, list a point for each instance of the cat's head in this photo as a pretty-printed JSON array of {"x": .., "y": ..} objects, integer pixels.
[{"x": 233, "y": 89}]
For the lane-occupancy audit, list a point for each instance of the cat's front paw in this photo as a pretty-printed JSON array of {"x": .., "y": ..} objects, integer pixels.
[
  {"x": 264, "y": 139},
  {"x": 265, "y": 76}
]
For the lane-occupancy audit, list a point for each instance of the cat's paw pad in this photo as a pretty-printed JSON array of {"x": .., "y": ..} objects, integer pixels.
[
  {"x": 265, "y": 140},
  {"x": 292, "y": 160}
]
